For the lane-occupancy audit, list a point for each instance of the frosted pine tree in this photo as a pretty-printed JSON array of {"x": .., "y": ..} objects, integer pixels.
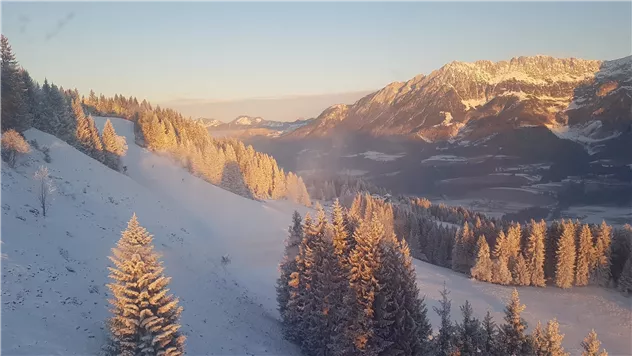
[
  {"x": 536, "y": 251},
  {"x": 113, "y": 146},
  {"x": 538, "y": 340},
  {"x": 489, "y": 332},
  {"x": 470, "y": 335},
  {"x": 625, "y": 279},
  {"x": 341, "y": 238},
  {"x": 512, "y": 333},
  {"x": 584, "y": 256},
  {"x": 365, "y": 260},
  {"x": 145, "y": 317},
  {"x": 602, "y": 273},
  {"x": 445, "y": 341},
  {"x": 553, "y": 340},
  {"x": 500, "y": 268},
  {"x": 591, "y": 345},
  {"x": 565, "y": 257},
  {"x": 514, "y": 236},
  {"x": 482, "y": 270},
  {"x": 287, "y": 267},
  {"x": 520, "y": 273}
]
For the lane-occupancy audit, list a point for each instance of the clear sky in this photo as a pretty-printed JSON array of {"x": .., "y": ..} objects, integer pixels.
[{"x": 172, "y": 51}]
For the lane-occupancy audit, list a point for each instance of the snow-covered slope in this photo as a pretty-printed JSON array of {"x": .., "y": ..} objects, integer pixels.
[{"x": 54, "y": 269}]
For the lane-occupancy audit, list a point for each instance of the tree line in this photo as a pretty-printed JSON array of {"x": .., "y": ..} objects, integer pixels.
[
  {"x": 53, "y": 110},
  {"x": 563, "y": 253},
  {"x": 347, "y": 286},
  {"x": 224, "y": 162}
]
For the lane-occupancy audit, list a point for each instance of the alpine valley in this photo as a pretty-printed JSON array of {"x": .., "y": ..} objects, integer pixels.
[{"x": 534, "y": 130}]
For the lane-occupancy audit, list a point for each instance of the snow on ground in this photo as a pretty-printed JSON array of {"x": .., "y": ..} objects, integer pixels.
[
  {"x": 352, "y": 172},
  {"x": 54, "y": 269},
  {"x": 595, "y": 214},
  {"x": 378, "y": 156},
  {"x": 448, "y": 158},
  {"x": 577, "y": 310}
]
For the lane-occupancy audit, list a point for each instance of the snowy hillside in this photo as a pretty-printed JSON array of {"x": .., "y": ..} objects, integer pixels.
[{"x": 54, "y": 268}]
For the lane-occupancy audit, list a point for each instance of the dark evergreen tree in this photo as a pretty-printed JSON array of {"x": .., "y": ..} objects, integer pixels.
[
  {"x": 512, "y": 336},
  {"x": 471, "y": 338},
  {"x": 445, "y": 343}
]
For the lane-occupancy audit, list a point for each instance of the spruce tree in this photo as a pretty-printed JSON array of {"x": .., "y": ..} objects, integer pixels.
[
  {"x": 112, "y": 146},
  {"x": 514, "y": 236},
  {"x": 602, "y": 273},
  {"x": 445, "y": 341},
  {"x": 538, "y": 340},
  {"x": 342, "y": 239},
  {"x": 365, "y": 260},
  {"x": 536, "y": 251},
  {"x": 565, "y": 256},
  {"x": 552, "y": 345},
  {"x": 482, "y": 270},
  {"x": 490, "y": 336},
  {"x": 145, "y": 317},
  {"x": 512, "y": 333},
  {"x": 14, "y": 110},
  {"x": 520, "y": 273},
  {"x": 470, "y": 335},
  {"x": 584, "y": 256},
  {"x": 591, "y": 345},
  {"x": 287, "y": 267},
  {"x": 625, "y": 279},
  {"x": 299, "y": 283}
]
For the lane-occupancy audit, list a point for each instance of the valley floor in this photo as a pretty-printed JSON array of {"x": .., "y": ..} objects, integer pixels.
[{"x": 54, "y": 268}]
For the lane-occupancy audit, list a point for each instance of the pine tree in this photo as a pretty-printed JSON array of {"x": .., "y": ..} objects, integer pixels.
[
  {"x": 536, "y": 251},
  {"x": 520, "y": 273},
  {"x": 342, "y": 240},
  {"x": 602, "y": 273},
  {"x": 445, "y": 341},
  {"x": 625, "y": 280},
  {"x": 553, "y": 235},
  {"x": 512, "y": 333},
  {"x": 287, "y": 267},
  {"x": 584, "y": 256},
  {"x": 565, "y": 268},
  {"x": 490, "y": 336},
  {"x": 470, "y": 335},
  {"x": 462, "y": 251},
  {"x": 365, "y": 260},
  {"x": 299, "y": 284},
  {"x": 538, "y": 340},
  {"x": 591, "y": 345},
  {"x": 145, "y": 320},
  {"x": 552, "y": 345},
  {"x": 112, "y": 145},
  {"x": 482, "y": 270},
  {"x": 514, "y": 235},
  {"x": 14, "y": 110},
  {"x": 324, "y": 312}
]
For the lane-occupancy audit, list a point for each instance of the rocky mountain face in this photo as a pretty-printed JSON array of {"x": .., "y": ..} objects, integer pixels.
[{"x": 466, "y": 104}]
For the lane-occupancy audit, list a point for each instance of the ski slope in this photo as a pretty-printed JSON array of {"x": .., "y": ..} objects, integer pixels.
[{"x": 54, "y": 269}]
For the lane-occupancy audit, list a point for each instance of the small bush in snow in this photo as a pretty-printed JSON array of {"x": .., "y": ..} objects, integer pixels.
[
  {"x": 13, "y": 144},
  {"x": 46, "y": 152},
  {"x": 45, "y": 188}
]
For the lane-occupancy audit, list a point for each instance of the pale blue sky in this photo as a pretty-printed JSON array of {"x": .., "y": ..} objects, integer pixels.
[{"x": 225, "y": 51}]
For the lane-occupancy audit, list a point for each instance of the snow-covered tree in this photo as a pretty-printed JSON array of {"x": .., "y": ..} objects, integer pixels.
[
  {"x": 342, "y": 239},
  {"x": 591, "y": 345},
  {"x": 512, "y": 333},
  {"x": 471, "y": 339},
  {"x": 489, "y": 332},
  {"x": 145, "y": 318},
  {"x": 536, "y": 250},
  {"x": 365, "y": 260},
  {"x": 520, "y": 273},
  {"x": 625, "y": 280},
  {"x": 113, "y": 145},
  {"x": 463, "y": 250},
  {"x": 14, "y": 111},
  {"x": 602, "y": 272},
  {"x": 13, "y": 145},
  {"x": 45, "y": 188},
  {"x": 552, "y": 341},
  {"x": 287, "y": 267},
  {"x": 584, "y": 256},
  {"x": 565, "y": 257},
  {"x": 482, "y": 270},
  {"x": 445, "y": 342}
]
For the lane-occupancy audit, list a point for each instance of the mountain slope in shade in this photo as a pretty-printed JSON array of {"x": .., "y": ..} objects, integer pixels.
[{"x": 466, "y": 102}]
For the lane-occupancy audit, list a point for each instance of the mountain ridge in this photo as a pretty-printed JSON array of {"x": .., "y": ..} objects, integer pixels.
[{"x": 462, "y": 101}]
